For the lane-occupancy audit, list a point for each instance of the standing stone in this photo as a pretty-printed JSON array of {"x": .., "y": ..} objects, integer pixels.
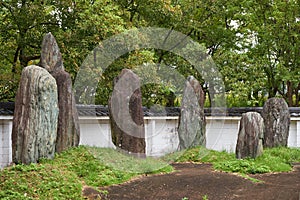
[
  {"x": 51, "y": 58},
  {"x": 126, "y": 114},
  {"x": 277, "y": 122},
  {"x": 250, "y": 136},
  {"x": 68, "y": 131},
  {"x": 35, "y": 116},
  {"x": 192, "y": 122}
]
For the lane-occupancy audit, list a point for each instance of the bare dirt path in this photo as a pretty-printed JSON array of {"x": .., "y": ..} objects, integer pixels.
[{"x": 194, "y": 181}]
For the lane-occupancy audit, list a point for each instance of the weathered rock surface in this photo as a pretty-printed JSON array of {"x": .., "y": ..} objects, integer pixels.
[
  {"x": 68, "y": 130},
  {"x": 35, "y": 116},
  {"x": 192, "y": 124},
  {"x": 250, "y": 136},
  {"x": 277, "y": 122},
  {"x": 51, "y": 58},
  {"x": 126, "y": 114}
]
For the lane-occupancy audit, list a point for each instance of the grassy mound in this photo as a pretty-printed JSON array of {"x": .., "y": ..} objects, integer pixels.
[
  {"x": 273, "y": 160},
  {"x": 64, "y": 177}
]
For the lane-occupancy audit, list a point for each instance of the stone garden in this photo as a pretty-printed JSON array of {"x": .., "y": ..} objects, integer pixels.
[
  {"x": 46, "y": 119},
  {"x": 157, "y": 99},
  {"x": 46, "y": 122}
]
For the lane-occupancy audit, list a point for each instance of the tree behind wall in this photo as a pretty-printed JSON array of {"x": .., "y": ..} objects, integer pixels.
[{"x": 255, "y": 44}]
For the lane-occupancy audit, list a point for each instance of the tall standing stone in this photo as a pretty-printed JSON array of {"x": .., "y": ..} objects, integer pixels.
[
  {"x": 35, "y": 117},
  {"x": 277, "y": 122},
  {"x": 192, "y": 122},
  {"x": 250, "y": 136},
  {"x": 126, "y": 113},
  {"x": 68, "y": 132}
]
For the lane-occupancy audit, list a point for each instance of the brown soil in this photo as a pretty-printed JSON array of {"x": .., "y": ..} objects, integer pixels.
[{"x": 194, "y": 181}]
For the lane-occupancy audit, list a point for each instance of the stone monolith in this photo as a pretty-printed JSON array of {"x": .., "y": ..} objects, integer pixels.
[
  {"x": 51, "y": 58},
  {"x": 250, "y": 136},
  {"x": 68, "y": 131},
  {"x": 126, "y": 114},
  {"x": 192, "y": 122},
  {"x": 35, "y": 117},
  {"x": 277, "y": 122}
]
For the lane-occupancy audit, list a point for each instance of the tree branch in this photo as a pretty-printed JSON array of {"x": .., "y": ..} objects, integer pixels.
[{"x": 14, "y": 70}]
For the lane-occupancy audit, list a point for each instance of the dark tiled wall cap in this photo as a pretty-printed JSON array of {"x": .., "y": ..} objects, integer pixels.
[{"x": 7, "y": 108}]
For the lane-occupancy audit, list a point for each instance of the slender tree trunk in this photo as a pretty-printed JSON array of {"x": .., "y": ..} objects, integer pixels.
[
  {"x": 16, "y": 56},
  {"x": 289, "y": 94},
  {"x": 210, "y": 98},
  {"x": 297, "y": 103},
  {"x": 270, "y": 87}
]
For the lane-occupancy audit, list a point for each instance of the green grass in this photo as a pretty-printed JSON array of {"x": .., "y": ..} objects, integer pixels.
[
  {"x": 130, "y": 164},
  {"x": 64, "y": 177},
  {"x": 203, "y": 155},
  {"x": 254, "y": 180},
  {"x": 39, "y": 181},
  {"x": 273, "y": 160}
]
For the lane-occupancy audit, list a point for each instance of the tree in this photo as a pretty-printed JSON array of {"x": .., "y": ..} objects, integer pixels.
[
  {"x": 77, "y": 25},
  {"x": 21, "y": 30},
  {"x": 275, "y": 26},
  {"x": 255, "y": 44}
]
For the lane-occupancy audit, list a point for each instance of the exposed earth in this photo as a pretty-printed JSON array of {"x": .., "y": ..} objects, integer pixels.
[{"x": 197, "y": 181}]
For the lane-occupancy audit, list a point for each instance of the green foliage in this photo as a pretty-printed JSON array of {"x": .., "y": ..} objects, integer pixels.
[
  {"x": 254, "y": 44},
  {"x": 78, "y": 28},
  {"x": 272, "y": 160},
  {"x": 273, "y": 26},
  {"x": 64, "y": 177},
  {"x": 242, "y": 166},
  {"x": 152, "y": 12}
]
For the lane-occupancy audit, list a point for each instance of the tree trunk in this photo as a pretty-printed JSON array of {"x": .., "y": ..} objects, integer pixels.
[
  {"x": 15, "y": 61},
  {"x": 289, "y": 94},
  {"x": 297, "y": 103}
]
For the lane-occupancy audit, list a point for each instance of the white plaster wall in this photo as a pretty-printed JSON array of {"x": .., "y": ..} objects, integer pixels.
[
  {"x": 161, "y": 134},
  {"x": 95, "y": 132},
  {"x": 5, "y": 143},
  {"x": 221, "y": 134},
  {"x": 298, "y": 134},
  {"x": 292, "y": 139}
]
